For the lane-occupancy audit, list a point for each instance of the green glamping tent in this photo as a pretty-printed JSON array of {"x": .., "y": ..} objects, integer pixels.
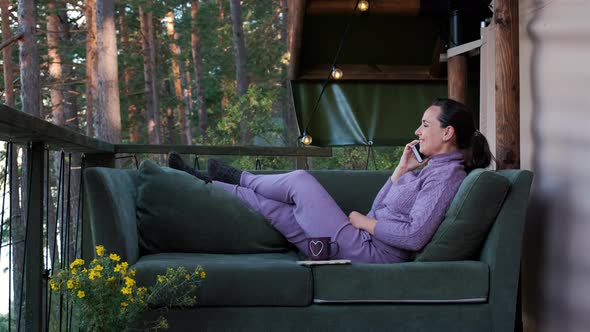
[{"x": 392, "y": 60}]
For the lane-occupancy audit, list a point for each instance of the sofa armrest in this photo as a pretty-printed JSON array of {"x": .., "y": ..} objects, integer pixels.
[{"x": 110, "y": 212}]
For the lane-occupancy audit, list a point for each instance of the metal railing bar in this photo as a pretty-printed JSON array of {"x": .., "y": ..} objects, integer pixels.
[{"x": 28, "y": 219}]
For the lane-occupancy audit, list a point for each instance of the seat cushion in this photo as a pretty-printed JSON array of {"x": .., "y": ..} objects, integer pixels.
[
  {"x": 273, "y": 279},
  {"x": 176, "y": 212},
  {"x": 413, "y": 282},
  {"x": 468, "y": 220}
]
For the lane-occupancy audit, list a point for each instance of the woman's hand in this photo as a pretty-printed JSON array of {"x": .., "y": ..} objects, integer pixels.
[
  {"x": 363, "y": 222},
  {"x": 407, "y": 162}
]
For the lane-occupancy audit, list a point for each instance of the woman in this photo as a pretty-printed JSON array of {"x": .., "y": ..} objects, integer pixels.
[{"x": 407, "y": 210}]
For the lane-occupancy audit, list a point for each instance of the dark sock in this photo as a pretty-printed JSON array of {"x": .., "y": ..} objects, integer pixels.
[
  {"x": 176, "y": 162},
  {"x": 220, "y": 171}
]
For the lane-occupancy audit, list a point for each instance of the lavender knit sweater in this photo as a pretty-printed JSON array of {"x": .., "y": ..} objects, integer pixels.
[{"x": 409, "y": 211}]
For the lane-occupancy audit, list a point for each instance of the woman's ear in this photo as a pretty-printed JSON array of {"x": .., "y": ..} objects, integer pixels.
[{"x": 449, "y": 133}]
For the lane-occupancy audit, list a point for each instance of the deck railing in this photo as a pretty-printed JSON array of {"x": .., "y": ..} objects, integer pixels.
[{"x": 37, "y": 138}]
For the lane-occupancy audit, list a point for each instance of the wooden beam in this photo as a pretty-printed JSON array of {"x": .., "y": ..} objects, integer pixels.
[
  {"x": 225, "y": 150},
  {"x": 295, "y": 32},
  {"x": 507, "y": 84},
  {"x": 21, "y": 128},
  {"x": 457, "y": 72},
  {"x": 382, "y": 7},
  {"x": 370, "y": 72}
]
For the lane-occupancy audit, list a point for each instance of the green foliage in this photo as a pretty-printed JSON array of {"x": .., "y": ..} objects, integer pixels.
[
  {"x": 3, "y": 323},
  {"x": 357, "y": 158},
  {"x": 107, "y": 297}
]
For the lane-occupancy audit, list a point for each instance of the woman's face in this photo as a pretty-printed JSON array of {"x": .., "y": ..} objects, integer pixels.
[{"x": 433, "y": 139}]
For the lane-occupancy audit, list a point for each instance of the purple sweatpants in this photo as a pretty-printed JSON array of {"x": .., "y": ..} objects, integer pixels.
[{"x": 299, "y": 207}]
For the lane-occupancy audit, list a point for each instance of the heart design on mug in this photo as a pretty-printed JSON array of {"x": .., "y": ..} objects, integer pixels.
[{"x": 316, "y": 247}]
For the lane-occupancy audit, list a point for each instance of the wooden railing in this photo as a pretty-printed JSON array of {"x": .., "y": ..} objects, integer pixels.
[{"x": 39, "y": 136}]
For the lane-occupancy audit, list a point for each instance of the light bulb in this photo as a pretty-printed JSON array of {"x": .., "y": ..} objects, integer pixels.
[
  {"x": 363, "y": 5},
  {"x": 306, "y": 138},
  {"x": 337, "y": 73}
]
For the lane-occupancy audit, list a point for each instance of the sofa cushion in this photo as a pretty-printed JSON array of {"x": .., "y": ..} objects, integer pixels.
[
  {"x": 177, "y": 212},
  {"x": 413, "y": 282},
  {"x": 462, "y": 233},
  {"x": 273, "y": 279}
]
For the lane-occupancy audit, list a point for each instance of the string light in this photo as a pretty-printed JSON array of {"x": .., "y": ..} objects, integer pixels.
[
  {"x": 363, "y": 5},
  {"x": 306, "y": 138},
  {"x": 337, "y": 73}
]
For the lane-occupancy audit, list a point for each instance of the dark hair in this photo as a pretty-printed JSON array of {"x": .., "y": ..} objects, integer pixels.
[{"x": 476, "y": 151}]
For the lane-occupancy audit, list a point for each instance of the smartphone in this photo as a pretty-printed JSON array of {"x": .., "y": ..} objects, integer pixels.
[{"x": 419, "y": 156}]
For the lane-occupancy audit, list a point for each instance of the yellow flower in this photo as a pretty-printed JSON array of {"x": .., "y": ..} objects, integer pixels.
[
  {"x": 84, "y": 270},
  {"x": 129, "y": 282},
  {"x": 111, "y": 279},
  {"x": 124, "y": 304},
  {"x": 115, "y": 257},
  {"x": 93, "y": 274},
  {"x": 203, "y": 275},
  {"x": 81, "y": 294},
  {"x": 54, "y": 285},
  {"x": 99, "y": 268},
  {"x": 121, "y": 268},
  {"x": 187, "y": 276},
  {"x": 77, "y": 262},
  {"x": 94, "y": 261},
  {"x": 70, "y": 284},
  {"x": 74, "y": 272},
  {"x": 126, "y": 290},
  {"x": 132, "y": 273},
  {"x": 141, "y": 291},
  {"x": 99, "y": 251},
  {"x": 160, "y": 279}
]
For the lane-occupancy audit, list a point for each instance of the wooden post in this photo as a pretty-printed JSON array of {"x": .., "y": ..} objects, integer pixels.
[
  {"x": 457, "y": 65},
  {"x": 33, "y": 275},
  {"x": 457, "y": 71},
  {"x": 507, "y": 84}
]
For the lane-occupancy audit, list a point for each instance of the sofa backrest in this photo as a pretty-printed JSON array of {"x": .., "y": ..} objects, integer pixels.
[{"x": 109, "y": 212}]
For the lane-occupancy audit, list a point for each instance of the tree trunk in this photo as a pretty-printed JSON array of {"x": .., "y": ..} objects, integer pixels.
[
  {"x": 7, "y": 55},
  {"x": 54, "y": 59},
  {"x": 290, "y": 131},
  {"x": 221, "y": 17},
  {"x": 187, "y": 95},
  {"x": 91, "y": 66},
  {"x": 9, "y": 101},
  {"x": 241, "y": 64},
  {"x": 150, "y": 77},
  {"x": 183, "y": 113},
  {"x": 198, "y": 63},
  {"x": 107, "y": 118},
  {"x": 132, "y": 110}
]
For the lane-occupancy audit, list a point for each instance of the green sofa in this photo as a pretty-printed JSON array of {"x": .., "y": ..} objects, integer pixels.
[{"x": 269, "y": 291}]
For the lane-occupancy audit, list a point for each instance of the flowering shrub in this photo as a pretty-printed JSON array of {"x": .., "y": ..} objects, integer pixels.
[{"x": 108, "y": 298}]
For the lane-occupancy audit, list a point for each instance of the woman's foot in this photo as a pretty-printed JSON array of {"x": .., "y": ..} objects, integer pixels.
[
  {"x": 220, "y": 171},
  {"x": 176, "y": 162}
]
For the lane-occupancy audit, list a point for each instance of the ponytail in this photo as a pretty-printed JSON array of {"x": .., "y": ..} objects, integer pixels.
[
  {"x": 478, "y": 154},
  {"x": 473, "y": 144}
]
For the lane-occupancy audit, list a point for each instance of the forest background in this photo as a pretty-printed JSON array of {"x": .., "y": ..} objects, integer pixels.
[{"x": 209, "y": 72}]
